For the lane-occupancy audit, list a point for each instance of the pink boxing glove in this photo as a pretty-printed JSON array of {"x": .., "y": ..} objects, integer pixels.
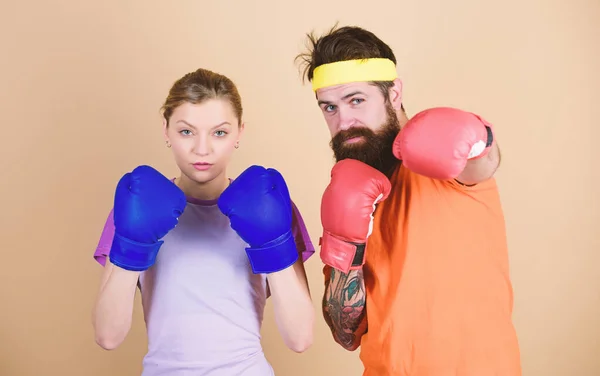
[
  {"x": 438, "y": 142},
  {"x": 347, "y": 208}
]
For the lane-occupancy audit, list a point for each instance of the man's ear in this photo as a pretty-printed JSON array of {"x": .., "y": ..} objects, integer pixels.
[{"x": 396, "y": 94}]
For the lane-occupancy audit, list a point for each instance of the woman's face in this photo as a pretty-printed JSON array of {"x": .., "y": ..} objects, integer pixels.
[{"x": 203, "y": 138}]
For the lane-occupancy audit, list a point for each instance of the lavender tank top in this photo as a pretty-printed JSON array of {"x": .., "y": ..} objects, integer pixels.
[{"x": 203, "y": 306}]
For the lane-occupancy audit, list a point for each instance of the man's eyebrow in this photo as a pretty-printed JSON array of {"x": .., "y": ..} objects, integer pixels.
[
  {"x": 353, "y": 94},
  {"x": 321, "y": 102}
]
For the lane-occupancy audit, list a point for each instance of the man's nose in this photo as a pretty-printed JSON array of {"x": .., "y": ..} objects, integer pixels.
[{"x": 346, "y": 120}]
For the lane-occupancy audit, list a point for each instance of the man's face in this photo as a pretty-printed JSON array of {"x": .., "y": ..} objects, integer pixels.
[{"x": 362, "y": 124}]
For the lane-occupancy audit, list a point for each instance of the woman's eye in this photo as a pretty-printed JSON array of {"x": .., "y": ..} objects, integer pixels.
[
  {"x": 220, "y": 133},
  {"x": 186, "y": 132}
]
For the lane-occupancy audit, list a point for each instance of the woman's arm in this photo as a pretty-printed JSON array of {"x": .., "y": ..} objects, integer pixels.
[
  {"x": 113, "y": 310},
  {"x": 294, "y": 311}
]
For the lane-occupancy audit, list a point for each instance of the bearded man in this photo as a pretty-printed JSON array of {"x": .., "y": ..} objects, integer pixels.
[{"x": 414, "y": 241}]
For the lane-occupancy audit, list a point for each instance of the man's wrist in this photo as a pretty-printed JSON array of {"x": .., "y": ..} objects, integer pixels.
[{"x": 341, "y": 254}]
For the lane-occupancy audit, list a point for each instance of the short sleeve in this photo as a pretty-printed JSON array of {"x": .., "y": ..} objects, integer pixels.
[
  {"x": 105, "y": 242},
  {"x": 303, "y": 242}
]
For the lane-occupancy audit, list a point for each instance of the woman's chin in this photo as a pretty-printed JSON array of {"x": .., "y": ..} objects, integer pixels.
[{"x": 204, "y": 176}]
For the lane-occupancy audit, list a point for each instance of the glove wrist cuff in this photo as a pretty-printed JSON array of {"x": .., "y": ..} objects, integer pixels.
[
  {"x": 342, "y": 254},
  {"x": 273, "y": 256},
  {"x": 131, "y": 255},
  {"x": 480, "y": 150}
]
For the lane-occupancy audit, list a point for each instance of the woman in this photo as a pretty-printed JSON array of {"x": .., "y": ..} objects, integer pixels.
[{"x": 206, "y": 251}]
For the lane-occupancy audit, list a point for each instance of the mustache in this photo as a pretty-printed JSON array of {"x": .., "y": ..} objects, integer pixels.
[
  {"x": 348, "y": 134},
  {"x": 375, "y": 149}
]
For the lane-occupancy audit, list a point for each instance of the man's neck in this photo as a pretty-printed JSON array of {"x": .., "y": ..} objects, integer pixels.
[
  {"x": 210, "y": 190},
  {"x": 402, "y": 118}
]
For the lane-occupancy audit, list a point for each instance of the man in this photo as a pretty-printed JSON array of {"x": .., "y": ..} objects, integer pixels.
[{"x": 414, "y": 243}]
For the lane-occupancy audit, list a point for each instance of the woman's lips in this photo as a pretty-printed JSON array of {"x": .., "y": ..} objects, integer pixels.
[{"x": 202, "y": 166}]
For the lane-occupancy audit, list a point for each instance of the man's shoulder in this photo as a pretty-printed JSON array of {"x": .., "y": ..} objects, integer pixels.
[{"x": 408, "y": 184}]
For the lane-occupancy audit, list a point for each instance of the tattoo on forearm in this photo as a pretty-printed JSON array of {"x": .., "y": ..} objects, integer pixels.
[{"x": 344, "y": 305}]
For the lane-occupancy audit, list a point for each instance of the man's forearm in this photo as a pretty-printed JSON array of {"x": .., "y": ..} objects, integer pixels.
[
  {"x": 481, "y": 169},
  {"x": 344, "y": 307}
]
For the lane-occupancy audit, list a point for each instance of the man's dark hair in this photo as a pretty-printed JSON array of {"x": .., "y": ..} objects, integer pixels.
[{"x": 345, "y": 43}]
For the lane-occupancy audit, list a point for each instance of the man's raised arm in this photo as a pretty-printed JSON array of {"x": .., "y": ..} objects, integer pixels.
[{"x": 448, "y": 143}]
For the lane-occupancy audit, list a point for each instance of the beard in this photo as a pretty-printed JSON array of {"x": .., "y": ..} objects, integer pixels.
[{"x": 375, "y": 149}]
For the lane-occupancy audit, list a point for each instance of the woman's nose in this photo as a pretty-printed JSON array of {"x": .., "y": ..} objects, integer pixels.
[{"x": 202, "y": 146}]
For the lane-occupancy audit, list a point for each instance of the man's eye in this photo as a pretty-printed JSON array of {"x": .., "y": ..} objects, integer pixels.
[
  {"x": 357, "y": 100},
  {"x": 329, "y": 108}
]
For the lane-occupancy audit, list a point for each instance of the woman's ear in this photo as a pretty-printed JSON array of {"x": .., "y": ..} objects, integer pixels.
[
  {"x": 396, "y": 94},
  {"x": 241, "y": 130},
  {"x": 165, "y": 130}
]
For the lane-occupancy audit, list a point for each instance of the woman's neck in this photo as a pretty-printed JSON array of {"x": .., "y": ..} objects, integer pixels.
[{"x": 211, "y": 190}]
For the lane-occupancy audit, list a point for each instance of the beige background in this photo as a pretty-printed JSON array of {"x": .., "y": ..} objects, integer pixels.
[{"x": 80, "y": 89}]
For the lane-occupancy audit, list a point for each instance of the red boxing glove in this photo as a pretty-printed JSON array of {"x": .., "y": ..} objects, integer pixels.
[
  {"x": 438, "y": 142},
  {"x": 347, "y": 210}
]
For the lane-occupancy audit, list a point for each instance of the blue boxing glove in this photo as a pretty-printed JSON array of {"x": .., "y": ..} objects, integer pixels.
[
  {"x": 147, "y": 206},
  {"x": 259, "y": 207}
]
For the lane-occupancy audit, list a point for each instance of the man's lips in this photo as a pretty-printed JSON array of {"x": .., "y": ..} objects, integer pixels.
[{"x": 353, "y": 140}]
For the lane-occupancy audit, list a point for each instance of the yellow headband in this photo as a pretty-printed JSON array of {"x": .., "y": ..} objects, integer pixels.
[{"x": 360, "y": 70}]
